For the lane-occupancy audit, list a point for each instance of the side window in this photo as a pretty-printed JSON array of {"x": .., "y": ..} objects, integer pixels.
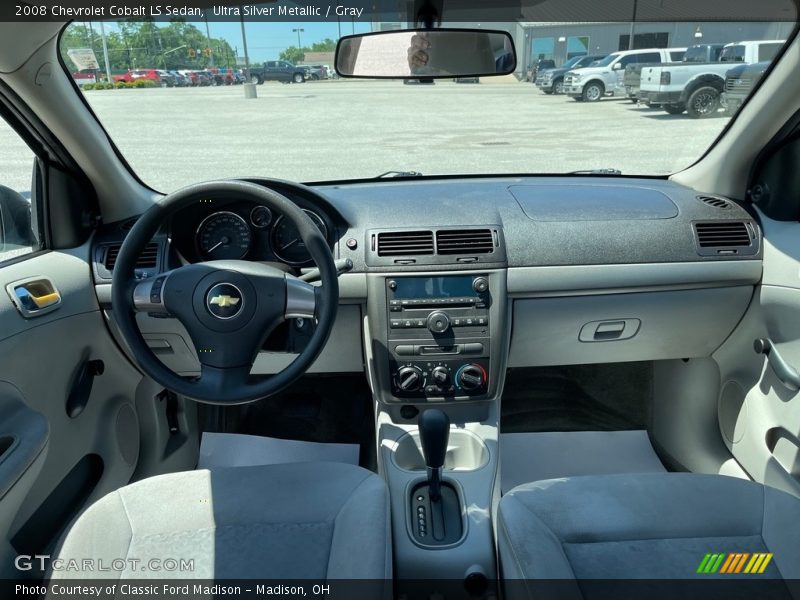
[
  {"x": 271, "y": 64},
  {"x": 676, "y": 56},
  {"x": 768, "y": 51},
  {"x": 17, "y": 235},
  {"x": 649, "y": 57},
  {"x": 627, "y": 60}
]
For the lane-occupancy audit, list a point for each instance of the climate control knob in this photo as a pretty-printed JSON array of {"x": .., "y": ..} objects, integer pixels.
[
  {"x": 471, "y": 377},
  {"x": 440, "y": 375},
  {"x": 438, "y": 322},
  {"x": 409, "y": 379}
]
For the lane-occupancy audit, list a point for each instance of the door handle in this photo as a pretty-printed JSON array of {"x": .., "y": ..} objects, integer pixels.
[
  {"x": 34, "y": 297},
  {"x": 786, "y": 373}
]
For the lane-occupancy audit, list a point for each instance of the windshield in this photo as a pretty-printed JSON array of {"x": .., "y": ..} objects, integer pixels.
[
  {"x": 573, "y": 61},
  {"x": 604, "y": 62},
  {"x": 183, "y": 102}
]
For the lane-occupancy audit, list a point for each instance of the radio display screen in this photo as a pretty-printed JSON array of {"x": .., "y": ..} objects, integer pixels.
[{"x": 434, "y": 287}]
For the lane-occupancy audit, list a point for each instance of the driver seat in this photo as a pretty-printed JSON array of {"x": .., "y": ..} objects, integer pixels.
[{"x": 286, "y": 521}]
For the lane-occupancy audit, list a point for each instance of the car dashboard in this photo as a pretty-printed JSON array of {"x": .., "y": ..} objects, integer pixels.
[{"x": 456, "y": 279}]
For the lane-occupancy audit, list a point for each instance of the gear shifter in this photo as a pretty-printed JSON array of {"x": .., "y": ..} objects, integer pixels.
[{"x": 434, "y": 431}]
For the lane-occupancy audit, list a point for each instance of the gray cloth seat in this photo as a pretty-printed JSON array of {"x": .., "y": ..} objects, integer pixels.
[
  {"x": 286, "y": 521},
  {"x": 643, "y": 526}
]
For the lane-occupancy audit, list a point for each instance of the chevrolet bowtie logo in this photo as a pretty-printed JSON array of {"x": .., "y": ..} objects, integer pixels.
[{"x": 224, "y": 301}]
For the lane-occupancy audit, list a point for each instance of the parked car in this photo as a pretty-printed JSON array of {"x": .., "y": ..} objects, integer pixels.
[
  {"x": 699, "y": 53},
  {"x": 204, "y": 78},
  {"x": 84, "y": 77},
  {"x": 150, "y": 74},
  {"x": 317, "y": 72},
  {"x": 739, "y": 82},
  {"x": 221, "y": 76},
  {"x": 605, "y": 77},
  {"x": 181, "y": 80},
  {"x": 696, "y": 88},
  {"x": 633, "y": 73},
  {"x": 167, "y": 78},
  {"x": 277, "y": 70},
  {"x": 191, "y": 77},
  {"x": 551, "y": 81}
]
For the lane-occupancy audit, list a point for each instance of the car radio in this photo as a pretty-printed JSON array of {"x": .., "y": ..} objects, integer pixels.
[{"x": 438, "y": 336}]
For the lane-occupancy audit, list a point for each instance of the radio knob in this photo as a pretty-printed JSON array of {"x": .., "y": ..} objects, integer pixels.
[
  {"x": 440, "y": 375},
  {"x": 438, "y": 322},
  {"x": 480, "y": 284},
  {"x": 471, "y": 377},
  {"x": 409, "y": 379}
]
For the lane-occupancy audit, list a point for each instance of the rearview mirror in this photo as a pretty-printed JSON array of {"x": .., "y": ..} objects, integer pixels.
[{"x": 430, "y": 53}]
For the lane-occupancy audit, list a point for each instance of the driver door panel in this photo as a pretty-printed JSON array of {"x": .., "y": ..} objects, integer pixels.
[{"x": 43, "y": 358}]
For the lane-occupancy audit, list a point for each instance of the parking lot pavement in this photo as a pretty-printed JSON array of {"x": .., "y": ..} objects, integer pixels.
[{"x": 346, "y": 129}]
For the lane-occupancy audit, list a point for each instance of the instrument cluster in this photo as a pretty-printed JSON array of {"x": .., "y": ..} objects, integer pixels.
[{"x": 242, "y": 231}]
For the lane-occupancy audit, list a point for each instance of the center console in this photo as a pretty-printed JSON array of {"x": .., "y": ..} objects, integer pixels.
[{"x": 438, "y": 342}]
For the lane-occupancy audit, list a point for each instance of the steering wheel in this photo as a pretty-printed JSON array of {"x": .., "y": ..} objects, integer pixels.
[{"x": 228, "y": 307}]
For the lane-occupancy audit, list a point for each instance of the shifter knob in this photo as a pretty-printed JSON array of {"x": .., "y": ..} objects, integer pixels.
[{"x": 434, "y": 431}]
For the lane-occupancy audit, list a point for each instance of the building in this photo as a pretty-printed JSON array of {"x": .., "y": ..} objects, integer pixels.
[{"x": 562, "y": 41}]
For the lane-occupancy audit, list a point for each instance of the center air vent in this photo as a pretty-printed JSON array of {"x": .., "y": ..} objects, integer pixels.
[
  {"x": 464, "y": 241},
  {"x": 716, "y": 202},
  {"x": 148, "y": 259},
  {"x": 405, "y": 243},
  {"x": 725, "y": 237}
]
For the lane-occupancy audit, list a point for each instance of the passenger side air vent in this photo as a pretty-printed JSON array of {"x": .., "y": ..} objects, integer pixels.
[
  {"x": 405, "y": 243},
  {"x": 725, "y": 237},
  {"x": 464, "y": 241},
  {"x": 148, "y": 259},
  {"x": 716, "y": 202}
]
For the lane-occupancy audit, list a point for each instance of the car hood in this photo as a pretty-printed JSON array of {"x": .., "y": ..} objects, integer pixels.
[
  {"x": 585, "y": 71},
  {"x": 554, "y": 72}
]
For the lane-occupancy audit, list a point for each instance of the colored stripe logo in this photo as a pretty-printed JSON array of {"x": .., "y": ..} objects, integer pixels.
[{"x": 734, "y": 562}]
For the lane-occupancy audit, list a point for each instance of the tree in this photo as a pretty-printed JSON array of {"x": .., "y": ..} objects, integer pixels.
[
  {"x": 326, "y": 45},
  {"x": 144, "y": 44},
  {"x": 293, "y": 54}
]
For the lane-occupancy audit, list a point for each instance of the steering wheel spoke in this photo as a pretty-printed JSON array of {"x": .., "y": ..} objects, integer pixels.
[
  {"x": 301, "y": 299},
  {"x": 148, "y": 295},
  {"x": 218, "y": 381}
]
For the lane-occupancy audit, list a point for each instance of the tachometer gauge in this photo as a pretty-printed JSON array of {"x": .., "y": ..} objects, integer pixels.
[
  {"x": 286, "y": 242},
  {"x": 223, "y": 236}
]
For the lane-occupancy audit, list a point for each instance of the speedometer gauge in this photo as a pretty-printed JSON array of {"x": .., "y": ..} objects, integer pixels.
[
  {"x": 223, "y": 236},
  {"x": 286, "y": 242}
]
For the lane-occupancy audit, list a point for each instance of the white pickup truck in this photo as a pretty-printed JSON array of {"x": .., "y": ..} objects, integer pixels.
[
  {"x": 696, "y": 88},
  {"x": 606, "y": 75}
]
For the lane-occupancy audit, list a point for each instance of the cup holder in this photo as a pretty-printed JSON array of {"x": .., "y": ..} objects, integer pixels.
[{"x": 465, "y": 452}]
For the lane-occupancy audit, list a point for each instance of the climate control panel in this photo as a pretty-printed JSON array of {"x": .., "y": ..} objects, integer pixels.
[{"x": 440, "y": 379}]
